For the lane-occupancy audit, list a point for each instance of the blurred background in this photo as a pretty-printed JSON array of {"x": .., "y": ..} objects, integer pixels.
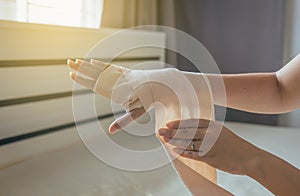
[{"x": 242, "y": 35}]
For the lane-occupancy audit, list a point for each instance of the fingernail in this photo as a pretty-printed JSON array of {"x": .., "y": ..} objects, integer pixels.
[
  {"x": 68, "y": 61},
  {"x": 78, "y": 61},
  {"x": 162, "y": 132},
  {"x": 170, "y": 124},
  {"x": 113, "y": 129},
  {"x": 72, "y": 75}
]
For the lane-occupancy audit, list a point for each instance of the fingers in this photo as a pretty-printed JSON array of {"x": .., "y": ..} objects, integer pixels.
[
  {"x": 188, "y": 145},
  {"x": 85, "y": 68},
  {"x": 125, "y": 120},
  {"x": 189, "y": 123},
  {"x": 187, "y": 153},
  {"x": 183, "y": 133},
  {"x": 100, "y": 65},
  {"x": 88, "y": 83}
]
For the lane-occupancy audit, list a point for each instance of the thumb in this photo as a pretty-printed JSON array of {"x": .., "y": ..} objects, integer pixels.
[{"x": 125, "y": 120}]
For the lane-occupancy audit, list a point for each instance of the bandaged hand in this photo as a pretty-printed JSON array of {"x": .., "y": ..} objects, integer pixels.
[
  {"x": 104, "y": 79},
  {"x": 173, "y": 95},
  {"x": 172, "y": 92},
  {"x": 109, "y": 81}
]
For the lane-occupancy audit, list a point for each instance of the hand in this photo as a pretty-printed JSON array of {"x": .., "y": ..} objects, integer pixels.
[
  {"x": 230, "y": 153},
  {"x": 102, "y": 78},
  {"x": 140, "y": 90}
]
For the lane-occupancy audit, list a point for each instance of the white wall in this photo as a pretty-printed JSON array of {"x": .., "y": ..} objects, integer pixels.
[{"x": 291, "y": 49}]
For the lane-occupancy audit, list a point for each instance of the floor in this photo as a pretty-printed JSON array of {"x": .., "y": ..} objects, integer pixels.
[{"x": 42, "y": 173}]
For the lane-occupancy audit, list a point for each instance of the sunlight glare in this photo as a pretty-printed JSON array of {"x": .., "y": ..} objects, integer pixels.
[{"x": 60, "y": 12}]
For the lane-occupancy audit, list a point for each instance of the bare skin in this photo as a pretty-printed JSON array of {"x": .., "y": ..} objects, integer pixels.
[
  {"x": 269, "y": 93},
  {"x": 232, "y": 154}
]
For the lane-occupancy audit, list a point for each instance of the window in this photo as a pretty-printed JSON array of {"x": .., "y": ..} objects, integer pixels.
[{"x": 75, "y": 13}]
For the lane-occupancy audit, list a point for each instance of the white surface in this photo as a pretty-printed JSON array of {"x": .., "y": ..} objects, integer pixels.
[{"x": 75, "y": 171}]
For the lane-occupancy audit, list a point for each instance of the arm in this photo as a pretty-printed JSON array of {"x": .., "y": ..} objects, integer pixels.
[
  {"x": 232, "y": 154},
  {"x": 260, "y": 92},
  {"x": 275, "y": 174},
  {"x": 196, "y": 183},
  {"x": 270, "y": 93}
]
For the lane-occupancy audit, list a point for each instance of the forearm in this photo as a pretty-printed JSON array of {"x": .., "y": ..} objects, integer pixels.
[
  {"x": 275, "y": 174},
  {"x": 196, "y": 183},
  {"x": 258, "y": 92}
]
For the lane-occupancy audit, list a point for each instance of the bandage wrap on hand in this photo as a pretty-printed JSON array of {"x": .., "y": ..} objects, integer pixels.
[
  {"x": 168, "y": 87},
  {"x": 182, "y": 94},
  {"x": 175, "y": 90},
  {"x": 113, "y": 85}
]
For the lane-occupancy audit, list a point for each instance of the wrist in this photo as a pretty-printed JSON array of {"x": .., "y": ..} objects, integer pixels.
[{"x": 254, "y": 163}]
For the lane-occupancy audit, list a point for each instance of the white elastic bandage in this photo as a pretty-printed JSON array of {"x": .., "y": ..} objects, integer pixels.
[
  {"x": 113, "y": 85},
  {"x": 183, "y": 94}
]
